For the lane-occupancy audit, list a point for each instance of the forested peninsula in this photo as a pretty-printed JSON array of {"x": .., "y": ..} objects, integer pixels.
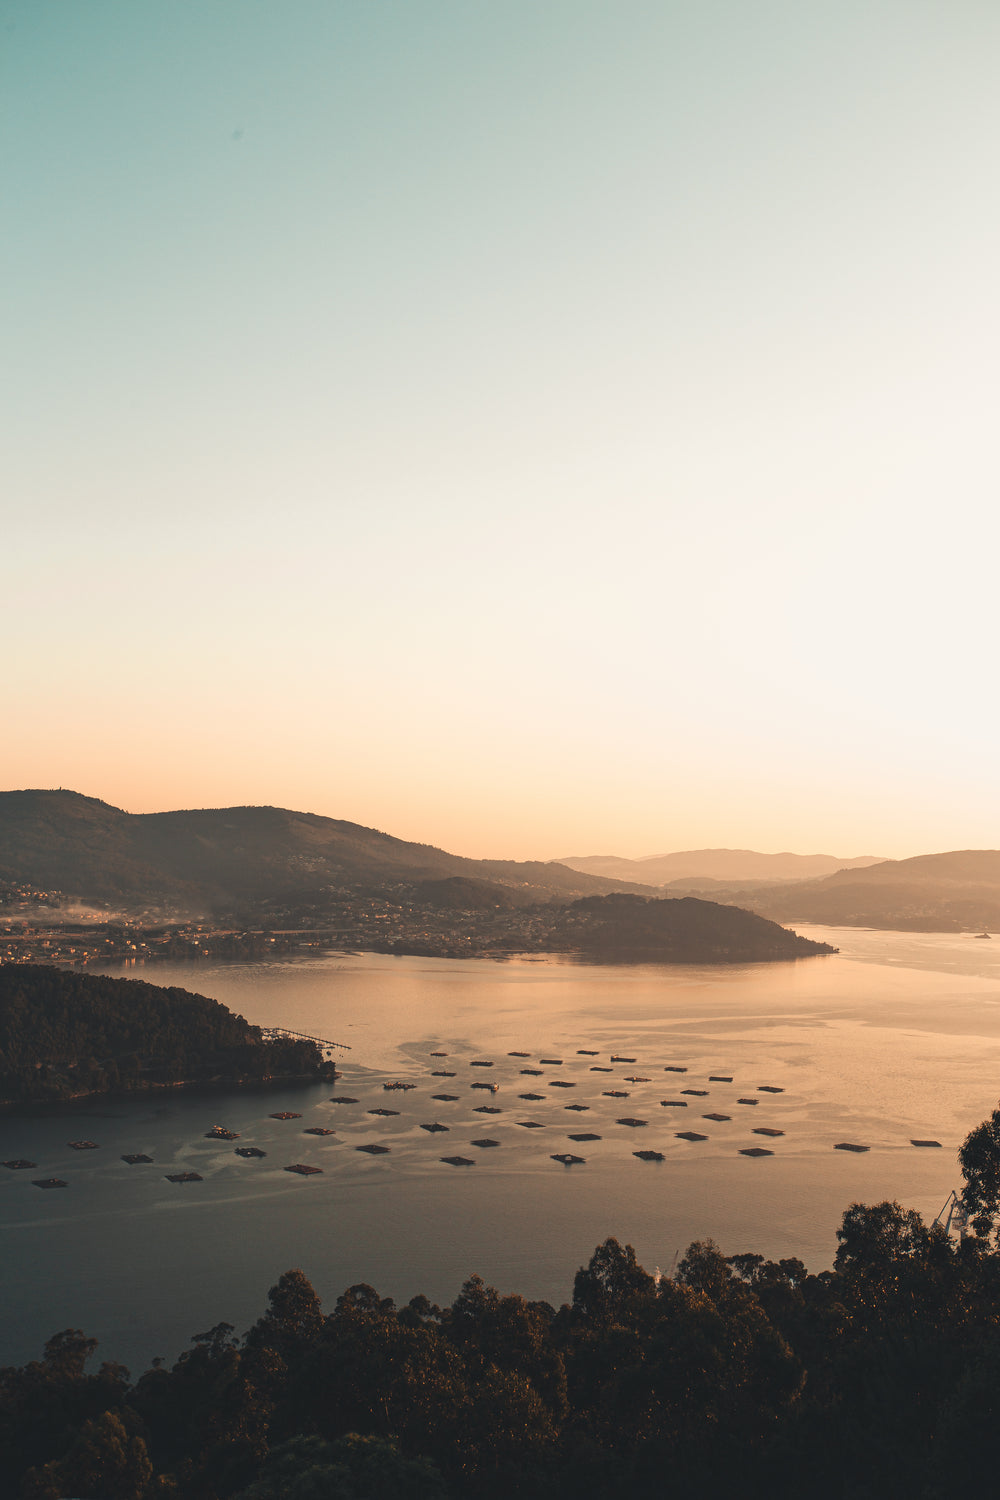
[{"x": 65, "y": 1034}]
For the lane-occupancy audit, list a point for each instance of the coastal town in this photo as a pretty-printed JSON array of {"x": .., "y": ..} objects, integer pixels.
[{"x": 43, "y": 927}]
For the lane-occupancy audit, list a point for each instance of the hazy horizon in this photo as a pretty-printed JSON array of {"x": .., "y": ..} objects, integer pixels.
[{"x": 516, "y": 428}]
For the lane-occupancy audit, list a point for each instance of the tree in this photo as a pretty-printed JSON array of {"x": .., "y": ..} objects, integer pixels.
[
  {"x": 979, "y": 1158},
  {"x": 613, "y": 1279}
]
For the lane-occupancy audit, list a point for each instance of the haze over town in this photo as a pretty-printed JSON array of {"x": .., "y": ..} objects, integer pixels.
[{"x": 525, "y": 429}]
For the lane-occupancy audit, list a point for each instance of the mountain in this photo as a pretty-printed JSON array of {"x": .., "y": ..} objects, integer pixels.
[
  {"x": 218, "y": 858},
  {"x": 950, "y": 892},
  {"x": 728, "y": 866}
]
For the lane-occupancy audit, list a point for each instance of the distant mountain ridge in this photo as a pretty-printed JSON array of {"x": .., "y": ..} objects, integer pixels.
[
  {"x": 951, "y": 892},
  {"x": 729, "y": 866},
  {"x": 217, "y": 858}
]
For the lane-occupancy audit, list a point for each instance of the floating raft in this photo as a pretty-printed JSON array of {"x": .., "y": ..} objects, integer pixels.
[
  {"x": 51, "y": 1182},
  {"x": 340, "y": 1099},
  {"x": 184, "y": 1177},
  {"x": 458, "y": 1161},
  {"x": 490, "y": 1088},
  {"x": 384, "y": 1112},
  {"x": 303, "y": 1170},
  {"x": 485, "y": 1142},
  {"x": 698, "y": 1093},
  {"x": 561, "y": 1083},
  {"x": 755, "y": 1151},
  {"x": 220, "y": 1133},
  {"x": 586, "y": 1052},
  {"x": 585, "y": 1135},
  {"x": 389, "y": 1087},
  {"x": 289, "y": 1114},
  {"x": 748, "y": 1101},
  {"x": 83, "y": 1145},
  {"x": 439, "y": 1054},
  {"x": 18, "y": 1164},
  {"x": 768, "y": 1088},
  {"x": 850, "y": 1146},
  {"x": 580, "y": 1108},
  {"x": 674, "y": 1103},
  {"x": 135, "y": 1157},
  {"x": 374, "y": 1150},
  {"x": 690, "y": 1135},
  {"x": 529, "y": 1124},
  {"x": 766, "y": 1130},
  {"x": 249, "y": 1151},
  {"x": 649, "y": 1155},
  {"x": 480, "y": 1064},
  {"x": 602, "y": 1070},
  {"x": 317, "y": 1130},
  {"x": 674, "y": 1068},
  {"x": 636, "y": 1080},
  {"x": 515, "y": 1054},
  {"x": 925, "y": 1143},
  {"x": 434, "y": 1127},
  {"x": 567, "y": 1159},
  {"x": 551, "y": 1062},
  {"x": 487, "y": 1109},
  {"x": 615, "y": 1094},
  {"x": 630, "y": 1120},
  {"x": 720, "y": 1078},
  {"x": 445, "y": 1098},
  {"x": 533, "y": 1098},
  {"x": 531, "y": 1072},
  {"x": 727, "y": 1117},
  {"x": 442, "y": 1073}
]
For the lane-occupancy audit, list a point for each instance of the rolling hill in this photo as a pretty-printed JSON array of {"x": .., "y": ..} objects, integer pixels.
[{"x": 214, "y": 859}]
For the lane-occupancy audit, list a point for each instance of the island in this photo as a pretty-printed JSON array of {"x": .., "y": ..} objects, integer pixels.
[{"x": 65, "y": 1035}]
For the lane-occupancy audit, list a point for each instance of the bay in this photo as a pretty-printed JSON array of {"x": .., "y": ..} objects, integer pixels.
[{"x": 897, "y": 1037}]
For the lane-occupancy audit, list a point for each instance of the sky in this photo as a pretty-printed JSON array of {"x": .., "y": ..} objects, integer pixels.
[{"x": 530, "y": 429}]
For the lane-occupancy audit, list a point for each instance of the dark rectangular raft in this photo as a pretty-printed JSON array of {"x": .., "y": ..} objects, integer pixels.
[
  {"x": 850, "y": 1146},
  {"x": 303, "y": 1170}
]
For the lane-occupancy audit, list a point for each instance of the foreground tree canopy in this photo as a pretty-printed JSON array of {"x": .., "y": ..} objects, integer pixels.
[{"x": 740, "y": 1376}]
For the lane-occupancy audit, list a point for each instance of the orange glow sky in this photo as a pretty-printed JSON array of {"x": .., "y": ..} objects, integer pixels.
[{"x": 532, "y": 430}]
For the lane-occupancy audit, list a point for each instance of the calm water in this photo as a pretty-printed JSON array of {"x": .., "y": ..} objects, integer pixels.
[{"x": 897, "y": 1037}]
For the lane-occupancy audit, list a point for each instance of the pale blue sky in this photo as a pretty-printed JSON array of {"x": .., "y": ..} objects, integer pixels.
[{"x": 531, "y": 428}]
